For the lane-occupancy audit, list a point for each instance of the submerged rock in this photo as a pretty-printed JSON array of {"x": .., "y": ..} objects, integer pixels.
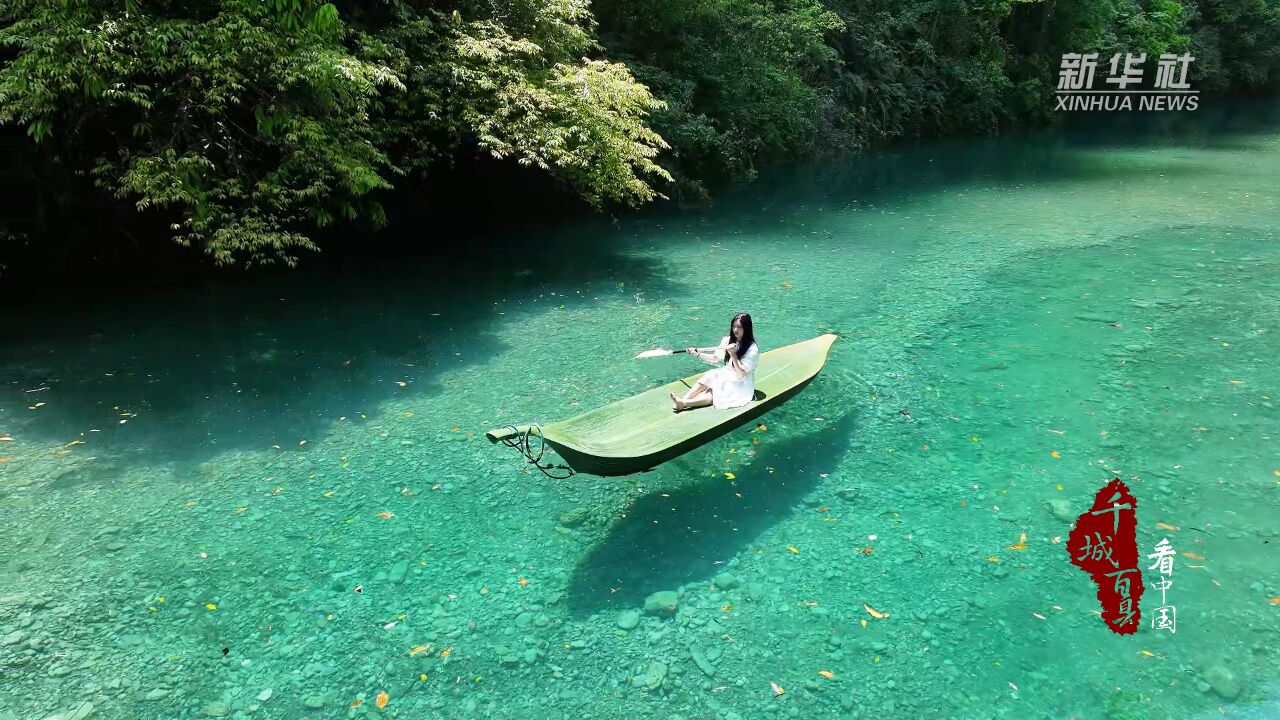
[
  {"x": 653, "y": 676},
  {"x": 1223, "y": 681},
  {"x": 1061, "y": 509},
  {"x": 663, "y": 602},
  {"x": 629, "y": 619},
  {"x": 574, "y": 517},
  {"x": 726, "y": 581}
]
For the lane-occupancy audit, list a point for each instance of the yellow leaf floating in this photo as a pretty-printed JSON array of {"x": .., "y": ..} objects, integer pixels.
[
  {"x": 420, "y": 649},
  {"x": 863, "y": 622},
  {"x": 1020, "y": 545},
  {"x": 1275, "y": 600},
  {"x": 1193, "y": 556},
  {"x": 827, "y": 674},
  {"x": 211, "y": 606},
  {"x": 793, "y": 549},
  {"x": 1056, "y": 455},
  {"x": 1166, "y": 526},
  {"x": 382, "y": 699},
  {"x": 730, "y": 476},
  {"x": 777, "y": 689},
  {"x": 1148, "y": 653},
  {"x": 875, "y": 613},
  {"x": 386, "y": 515}
]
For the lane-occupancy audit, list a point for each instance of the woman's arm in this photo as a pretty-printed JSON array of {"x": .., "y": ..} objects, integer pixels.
[
  {"x": 715, "y": 357},
  {"x": 745, "y": 364}
]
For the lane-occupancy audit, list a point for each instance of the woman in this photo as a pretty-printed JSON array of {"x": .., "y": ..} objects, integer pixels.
[{"x": 734, "y": 383}]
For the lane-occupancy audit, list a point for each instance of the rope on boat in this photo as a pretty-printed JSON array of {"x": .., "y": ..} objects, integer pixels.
[{"x": 521, "y": 444}]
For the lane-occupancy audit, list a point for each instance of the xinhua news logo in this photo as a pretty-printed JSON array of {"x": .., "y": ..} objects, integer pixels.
[{"x": 1169, "y": 90}]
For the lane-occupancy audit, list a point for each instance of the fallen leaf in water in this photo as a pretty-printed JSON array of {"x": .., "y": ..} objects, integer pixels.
[
  {"x": 445, "y": 652},
  {"x": 761, "y": 428},
  {"x": 357, "y": 703},
  {"x": 1056, "y": 432},
  {"x": 824, "y": 508},
  {"x": 401, "y": 383},
  {"x": 1166, "y": 526},
  {"x": 1236, "y": 382},
  {"x": 726, "y": 608},
  {"x": 730, "y": 476},
  {"x": 523, "y": 582},
  {"x": 210, "y": 606},
  {"x": 1148, "y": 653},
  {"x": 867, "y": 551},
  {"x": 793, "y": 549},
  {"x": 1056, "y": 455},
  {"x": 327, "y": 493},
  {"x": 1015, "y": 687},
  {"x": 863, "y": 622},
  {"x": 1021, "y": 544},
  {"x": 777, "y": 689},
  {"x": 1192, "y": 555},
  {"x": 827, "y": 674},
  {"x": 381, "y": 701},
  {"x": 240, "y": 510},
  {"x": 1275, "y": 600},
  {"x": 875, "y": 613},
  {"x": 993, "y": 559},
  {"x": 419, "y": 650},
  {"x": 276, "y": 490},
  {"x": 6, "y": 458},
  {"x": 386, "y": 515},
  {"x": 1038, "y": 615}
]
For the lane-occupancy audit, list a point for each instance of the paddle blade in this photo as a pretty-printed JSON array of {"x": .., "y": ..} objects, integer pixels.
[{"x": 654, "y": 353}]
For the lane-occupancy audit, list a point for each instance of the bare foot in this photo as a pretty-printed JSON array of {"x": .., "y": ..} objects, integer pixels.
[{"x": 676, "y": 402}]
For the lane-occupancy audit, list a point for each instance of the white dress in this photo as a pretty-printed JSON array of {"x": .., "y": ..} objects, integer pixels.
[{"x": 728, "y": 388}]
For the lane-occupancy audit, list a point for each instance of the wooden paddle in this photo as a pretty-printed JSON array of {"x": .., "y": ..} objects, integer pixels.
[{"x": 664, "y": 353}]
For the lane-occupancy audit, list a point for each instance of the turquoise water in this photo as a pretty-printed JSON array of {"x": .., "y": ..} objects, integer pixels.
[{"x": 195, "y": 484}]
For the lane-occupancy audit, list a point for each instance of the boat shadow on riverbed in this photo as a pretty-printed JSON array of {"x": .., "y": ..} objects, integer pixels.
[{"x": 671, "y": 537}]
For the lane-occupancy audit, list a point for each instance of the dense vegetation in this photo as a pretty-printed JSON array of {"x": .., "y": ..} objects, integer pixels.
[{"x": 252, "y": 125}]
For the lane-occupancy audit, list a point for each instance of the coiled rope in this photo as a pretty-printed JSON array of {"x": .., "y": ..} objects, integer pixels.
[{"x": 521, "y": 444}]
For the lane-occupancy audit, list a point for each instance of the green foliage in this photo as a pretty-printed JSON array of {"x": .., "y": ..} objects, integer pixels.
[
  {"x": 253, "y": 124},
  {"x": 743, "y": 80}
]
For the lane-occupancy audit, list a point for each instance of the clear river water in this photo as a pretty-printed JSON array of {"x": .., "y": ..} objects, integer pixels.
[{"x": 275, "y": 500}]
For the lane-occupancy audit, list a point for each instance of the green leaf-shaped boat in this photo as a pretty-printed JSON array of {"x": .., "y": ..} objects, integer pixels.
[{"x": 641, "y": 432}]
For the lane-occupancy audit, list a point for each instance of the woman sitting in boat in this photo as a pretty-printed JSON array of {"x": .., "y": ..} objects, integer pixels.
[{"x": 733, "y": 384}]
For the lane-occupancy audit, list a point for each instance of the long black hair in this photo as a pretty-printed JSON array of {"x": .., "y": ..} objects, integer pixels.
[{"x": 748, "y": 335}]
